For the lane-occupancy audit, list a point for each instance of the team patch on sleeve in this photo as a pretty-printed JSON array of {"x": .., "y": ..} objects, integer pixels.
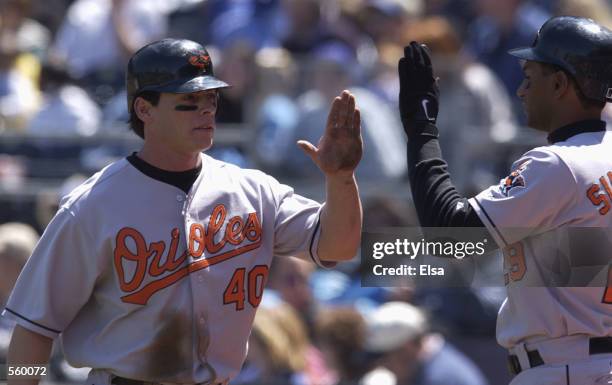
[{"x": 515, "y": 179}]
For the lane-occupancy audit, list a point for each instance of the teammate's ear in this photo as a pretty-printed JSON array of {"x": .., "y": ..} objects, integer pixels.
[{"x": 561, "y": 82}]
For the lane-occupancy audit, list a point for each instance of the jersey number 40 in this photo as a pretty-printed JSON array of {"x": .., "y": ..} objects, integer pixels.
[{"x": 243, "y": 287}]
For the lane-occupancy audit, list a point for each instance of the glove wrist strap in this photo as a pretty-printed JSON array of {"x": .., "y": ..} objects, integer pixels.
[{"x": 424, "y": 129}]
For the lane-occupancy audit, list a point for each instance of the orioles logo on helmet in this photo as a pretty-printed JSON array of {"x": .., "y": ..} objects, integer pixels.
[
  {"x": 515, "y": 179},
  {"x": 200, "y": 61}
]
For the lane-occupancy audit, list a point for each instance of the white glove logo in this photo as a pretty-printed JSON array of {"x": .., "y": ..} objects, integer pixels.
[{"x": 424, "y": 104}]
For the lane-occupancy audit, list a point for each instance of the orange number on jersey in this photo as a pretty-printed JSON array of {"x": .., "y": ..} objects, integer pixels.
[
  {"x": 607, "y": 298},
  {"x": 257, "y": 281},
  {"x": 235, "y": 291},
  {"x": 514, "y": 258}
]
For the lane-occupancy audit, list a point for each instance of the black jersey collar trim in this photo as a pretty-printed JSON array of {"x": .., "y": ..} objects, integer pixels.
[
  {"x": 180, "y": 179},
  {"x": 566, "y": 132}
]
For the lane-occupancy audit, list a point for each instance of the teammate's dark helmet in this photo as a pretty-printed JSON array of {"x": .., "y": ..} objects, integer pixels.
[
  {"x": 579, "y": 46},
  {"x": 170, "y": 65}
]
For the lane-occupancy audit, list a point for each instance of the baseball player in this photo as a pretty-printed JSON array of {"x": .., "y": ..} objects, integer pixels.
[
  {"x": 152, "y": 270},
  {"x": 555, "y": 335}
]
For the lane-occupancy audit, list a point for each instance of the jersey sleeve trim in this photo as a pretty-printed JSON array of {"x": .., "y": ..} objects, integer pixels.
[
  {"x": 30, "y": 325},
  {"x": 314, "y": 243},
  {"x": 488, "y": 222}
]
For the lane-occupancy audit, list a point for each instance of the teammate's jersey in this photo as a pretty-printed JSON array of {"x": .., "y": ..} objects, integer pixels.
[
  {"x": 533, "y": 215},
  {"x": 154, "y": 284}
]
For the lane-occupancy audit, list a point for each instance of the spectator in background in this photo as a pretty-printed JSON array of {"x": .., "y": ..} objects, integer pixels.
[
  {"x": 98, "y": 36},
  {"x": 343, "y": 286},
  {"x": 477, "y": 119},
  {"x": 67, "y": 109},
  {"x": 460, "y": 12},
  {"x": 341, "y": 336},
  {"x": 310, "y": 23},
  {"x": 17, "y": 240},
  {"x": 384, "y": 20},
  {"x": 278, "y": 348},
  {"x": 332, "y": 67},
  {"x": 399, "y": 333},
  {"x": 256, "y": 22},
  {"x": 30, "y": 35},
  {"x": 315, "y": 368},
  {"x": 502, "y": 25},
  {"x": 275, "y": 111},
  {"x": 598, "y": 10},
  {"x": 50, "y": 13},
  {"x": 18, "y": 76},
  {"x": 289, "y": 277},
  {"x": 236, "y": 67}
]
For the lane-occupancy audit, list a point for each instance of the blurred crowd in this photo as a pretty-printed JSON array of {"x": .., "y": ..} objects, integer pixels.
[{"x": 62, "y": 70}]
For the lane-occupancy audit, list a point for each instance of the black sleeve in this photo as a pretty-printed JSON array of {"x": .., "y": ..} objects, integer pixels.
[{"x": 437, "y": 201}]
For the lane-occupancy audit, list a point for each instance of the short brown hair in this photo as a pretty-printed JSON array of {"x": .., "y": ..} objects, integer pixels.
[{"x": 343, "y": 330}]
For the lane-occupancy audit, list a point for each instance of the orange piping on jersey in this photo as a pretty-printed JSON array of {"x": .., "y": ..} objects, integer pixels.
[
  {"x": 597, "y": 199},
  {"x": 141, "y": 297}
]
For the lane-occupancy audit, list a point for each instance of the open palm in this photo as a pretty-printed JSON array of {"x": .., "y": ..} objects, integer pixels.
[{"x": 340, "y": 148}]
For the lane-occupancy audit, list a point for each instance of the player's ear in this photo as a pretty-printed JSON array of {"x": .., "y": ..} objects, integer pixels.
[
  {"x": 561, "y": 83},
  {"x": 142, "y": 108}
]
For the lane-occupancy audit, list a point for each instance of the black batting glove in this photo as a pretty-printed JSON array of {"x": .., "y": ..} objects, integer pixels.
[{"x": 419, "y": 93}]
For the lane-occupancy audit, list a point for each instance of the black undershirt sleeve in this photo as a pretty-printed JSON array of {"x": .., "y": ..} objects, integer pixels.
[{"x": 437, "y": 201}]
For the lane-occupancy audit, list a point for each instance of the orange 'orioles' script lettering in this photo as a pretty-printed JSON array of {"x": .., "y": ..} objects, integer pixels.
[
  {"x": 601, "y": 194},
  {"x": 148, "y": 260}
]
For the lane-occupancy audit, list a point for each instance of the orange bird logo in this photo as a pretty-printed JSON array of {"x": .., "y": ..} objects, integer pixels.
[{"x": 200, "y": 61}]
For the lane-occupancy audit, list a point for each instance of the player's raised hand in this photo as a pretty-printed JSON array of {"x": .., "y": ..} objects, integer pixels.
[
  {"x": 419, "y": 94},
  {"x": 341, "y": 146}
]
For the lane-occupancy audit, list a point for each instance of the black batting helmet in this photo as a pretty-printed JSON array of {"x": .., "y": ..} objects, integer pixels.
[
  {"x": 170, "y": 65},
  {"x": 579, "y": 46}
]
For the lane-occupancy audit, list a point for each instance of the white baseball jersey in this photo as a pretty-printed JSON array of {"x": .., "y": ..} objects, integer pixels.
[
  {"x": 153, "y": 284},
  {"x": 552, "y": 188}
]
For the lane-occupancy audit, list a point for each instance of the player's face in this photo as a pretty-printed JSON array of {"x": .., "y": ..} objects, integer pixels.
[
  {"x": 186, "y": 122},
  {"x": 535, "y": 93}
]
